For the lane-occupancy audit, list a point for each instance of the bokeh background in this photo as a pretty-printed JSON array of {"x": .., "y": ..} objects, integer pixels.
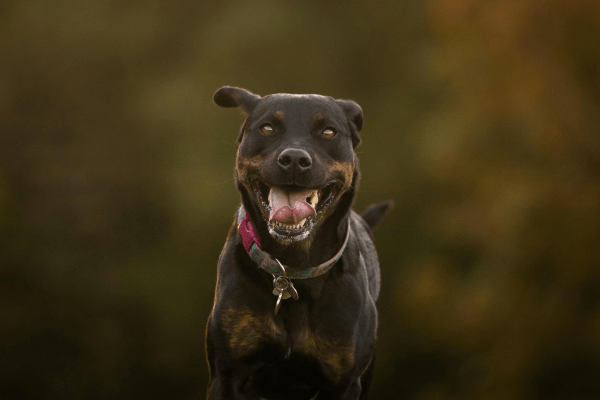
[{"x": 116, "y": 193}]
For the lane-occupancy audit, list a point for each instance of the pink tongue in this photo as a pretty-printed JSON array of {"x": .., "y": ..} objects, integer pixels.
[{"x": 290, "y": 207}]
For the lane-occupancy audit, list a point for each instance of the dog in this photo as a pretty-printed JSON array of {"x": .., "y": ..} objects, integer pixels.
[{"x": 294, "y": 313}]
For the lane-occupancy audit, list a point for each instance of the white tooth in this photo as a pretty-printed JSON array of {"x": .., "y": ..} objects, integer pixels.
[
  {"x": 314, "y": 198},
  {"x": 302, "y": 222}
]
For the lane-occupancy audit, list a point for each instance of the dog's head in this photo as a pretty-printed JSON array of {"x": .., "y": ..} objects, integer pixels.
[{"x": 296, "y": 157}]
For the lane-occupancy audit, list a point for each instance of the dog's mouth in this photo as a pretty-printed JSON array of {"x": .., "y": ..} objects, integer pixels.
[{"x": 292, "y": 212}]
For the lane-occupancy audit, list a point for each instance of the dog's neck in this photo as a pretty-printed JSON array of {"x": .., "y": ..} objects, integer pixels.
[{"x": 322, "y": 244}]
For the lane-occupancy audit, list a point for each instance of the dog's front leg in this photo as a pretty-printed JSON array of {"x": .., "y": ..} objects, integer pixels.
[
  {"x": 227, "y": 375},
  {"x": 228, "y": 384}
]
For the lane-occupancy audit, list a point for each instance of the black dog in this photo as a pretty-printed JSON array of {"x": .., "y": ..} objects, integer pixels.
[{"x": 294, "y": 315}]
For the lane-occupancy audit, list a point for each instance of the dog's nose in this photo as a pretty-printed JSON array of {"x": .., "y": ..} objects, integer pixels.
[{"x": 294, "y": 160}]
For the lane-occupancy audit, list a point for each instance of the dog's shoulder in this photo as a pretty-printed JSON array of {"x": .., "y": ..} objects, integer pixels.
[{"x": 367, "y": 253}]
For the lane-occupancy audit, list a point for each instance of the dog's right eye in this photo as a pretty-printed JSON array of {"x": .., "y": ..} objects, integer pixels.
[
  {"x": 267, "y": 129},
  {"x": 328, "y": 133}
]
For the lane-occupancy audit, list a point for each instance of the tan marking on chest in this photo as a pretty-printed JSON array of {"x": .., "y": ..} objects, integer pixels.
[
  {"x": 336, "y": 358},
  {"x": 246, "y": 330}
]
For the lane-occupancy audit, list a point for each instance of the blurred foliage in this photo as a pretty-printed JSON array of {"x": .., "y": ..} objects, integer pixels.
[{"x": 116, "y": 191}]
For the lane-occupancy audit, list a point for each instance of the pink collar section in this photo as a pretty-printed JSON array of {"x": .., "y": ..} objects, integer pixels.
[{"x": 249, "y": 235}]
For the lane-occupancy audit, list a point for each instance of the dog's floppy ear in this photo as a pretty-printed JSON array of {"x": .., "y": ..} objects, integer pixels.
[
  {"x": 355, "y": 116},
  {"x": 229, "y": 96}
]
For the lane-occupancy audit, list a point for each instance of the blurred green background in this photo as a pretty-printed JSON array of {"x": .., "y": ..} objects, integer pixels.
[{"x": 116, "y": 193}]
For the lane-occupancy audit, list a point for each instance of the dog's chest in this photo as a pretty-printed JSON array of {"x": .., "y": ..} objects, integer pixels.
[
  {"x": 334, "y": 353},
  {"x": 249, "y": 332}
]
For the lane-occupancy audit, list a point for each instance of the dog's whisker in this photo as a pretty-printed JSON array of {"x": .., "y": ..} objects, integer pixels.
[
  {"x": 221, "y": 183},
  {"x": 234, "y": 144}
]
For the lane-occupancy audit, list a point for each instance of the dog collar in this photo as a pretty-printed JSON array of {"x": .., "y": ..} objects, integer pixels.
[{"x": 272, "y": 266}]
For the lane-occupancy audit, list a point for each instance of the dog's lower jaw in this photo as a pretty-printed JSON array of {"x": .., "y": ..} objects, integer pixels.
[
  {"x": 324, "y": 237},
  {"x": 322, "y": 242},
  {"x": 304, "y": 240},
  {"x": 257, "y": 206},
  {"x": 289, "y": 240}
]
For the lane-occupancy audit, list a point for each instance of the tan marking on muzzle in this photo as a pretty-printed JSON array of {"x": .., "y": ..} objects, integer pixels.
[
  {"x": 245, "y": 165},
  {"x": 343, "y": 171}
]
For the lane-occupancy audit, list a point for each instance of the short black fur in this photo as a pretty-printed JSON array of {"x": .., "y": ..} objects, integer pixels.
[{"x": 322, "y": 344}]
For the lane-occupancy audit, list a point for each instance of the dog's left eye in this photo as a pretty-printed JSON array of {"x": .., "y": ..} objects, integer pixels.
[
  {"x": 266, "y": 129},
  {"x": 328, "y": 133}
]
